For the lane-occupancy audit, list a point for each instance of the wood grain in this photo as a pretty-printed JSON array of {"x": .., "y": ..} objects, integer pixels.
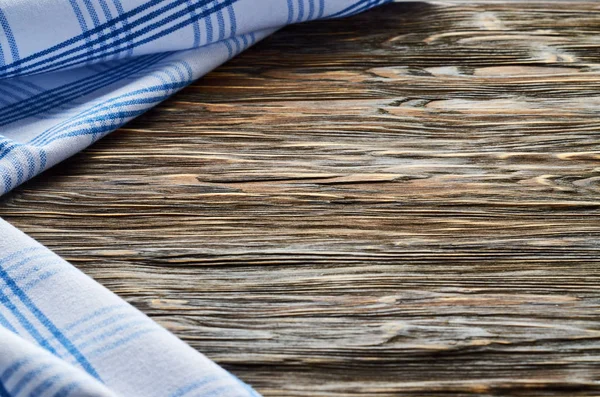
[{"x": 406, "y": 202}]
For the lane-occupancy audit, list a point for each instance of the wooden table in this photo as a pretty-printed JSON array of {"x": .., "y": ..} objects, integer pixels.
[{"x": 406, "y": 202}]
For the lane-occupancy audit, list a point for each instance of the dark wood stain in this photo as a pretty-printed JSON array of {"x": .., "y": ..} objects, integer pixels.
[{"x": 406, "y": 202}]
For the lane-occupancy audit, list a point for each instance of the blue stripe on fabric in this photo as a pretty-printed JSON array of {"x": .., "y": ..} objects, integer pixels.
[
  {"x": 2, "y": 59},
  {"x": 35, "y": 271},
  {"x": 209, "y": 27},
  {"x": 30, "y": 163},
  {"x": 17, "y": 167},
  {"x": 78, "y": 119},
  {"x": 358, "y": 7},
  {"x": 6, "y": 324},
  {"x": 82, "y": 23},
  {"x": 29, "y": 84},
  {"x": 118, "y": 114},
  {"x": 108, "y": 16},
  {"x": 60, "y": 95},
  {"x": 232, "y": 20},
  {"x": 76, "y": 59},
  {"x": 13, "y": 91},
  {"x": 40, "y": 389},
  {"x": 26, "y": 324},
  {"x": 238, "y": 46},
  {"x": 100, "y": 325},
  {"x": 109, "y": 104},
  {"x": 25, "y": 260},
  {"x": 118, "y": 330},
  {"x": 47, "y": 136},
  {"x": 92, "y": 316},
  {"x": 8, "y": 94},
  {"x": 321, "y": 8},
  {"x": 369, "y": 5},
  {"x": 221, "y": 24},
  {"x": 12, "y": 84},
  {"x": 67, "y": 389},
  {"x": 290, "y": 18},
  {"x": 7, "y": 180},
  {"x": 28, "y": 377},
  {"x": 39, "y": 99},
  {"x": 40, "y": 277},
  {"x": 196, "y": 25},
  {"x": 125, "y": 23},
  {"x": 24, "y": 251},
  {"x": 3, "y": 391},
  {"x": 43, "y": 158},
  {"x": 123, "y": 116},
  {"x": 6, "y": 148},
  {"x": 300, "y": 10},
  {"x": 63, "y": 95},
  {"x": 49, "y": 325},
  {"x": 87, "y": 34},
  {"x": 348, "y": 10},
  {"x": 14, "y": 367},
  {"x": 311, "y": 9},
  {"x": 92, "y": 13},
  {"x": 12, "y": 44},
  {"x": 113, "y": 102},
  {"x": 233, "y": 28},
  {"x": 122, "y": 341},
  {"x": 192, "y": 387}
]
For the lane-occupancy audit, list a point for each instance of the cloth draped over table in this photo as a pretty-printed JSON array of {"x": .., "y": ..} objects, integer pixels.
[{"x": 71, "y": 71}]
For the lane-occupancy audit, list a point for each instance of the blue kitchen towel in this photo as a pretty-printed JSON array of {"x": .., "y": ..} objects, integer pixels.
[{"x": 71, "y": 71}]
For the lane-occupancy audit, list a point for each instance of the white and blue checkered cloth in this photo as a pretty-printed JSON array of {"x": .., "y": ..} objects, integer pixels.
[{"x": 71, "y": 71}]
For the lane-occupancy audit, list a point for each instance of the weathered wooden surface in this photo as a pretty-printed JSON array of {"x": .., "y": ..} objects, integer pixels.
[{"x": 403, "y": 203}]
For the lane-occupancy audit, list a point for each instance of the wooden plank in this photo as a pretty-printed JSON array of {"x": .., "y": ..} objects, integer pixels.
[{"x": 405, "y": 202}]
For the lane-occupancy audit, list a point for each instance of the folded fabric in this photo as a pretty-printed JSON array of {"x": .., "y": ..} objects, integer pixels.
[{"x": 71, "y": 71}]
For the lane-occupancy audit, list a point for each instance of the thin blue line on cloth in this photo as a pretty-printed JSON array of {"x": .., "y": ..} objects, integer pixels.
[
  {"x": 355, "y": 8},
  {"x": 79, "y": 118},
  {"x": 87, "y": 34},
  {"x": 28, "y": 377},
  {"x": 78, "y": 59},
  {"x": 45, "y": 321},
  {"x": 110, "y": 104},
  {"x": 49, "y": 99},
  {"x": 290, "y": 4},
  {"x": 3, "y": 391},
  {"x": 66, "y": 390},
  {"x": 82, "y": 23},
  {"x": 45, "y": 385},
  {"x": 195, "y": 25},
  {"x": 14, "y": 50},
  {"x": 10, "y": 95},
  {"x": 21, "y": 90},
  {"x": 14, "y": 367},
  {"x": 25, "y": 323},
  {"x": 108, "y": 16},
  {"x": 117, "y": 115},
  {"x": 6, "y": 324},
  {"x": 311, "y": 9}
]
